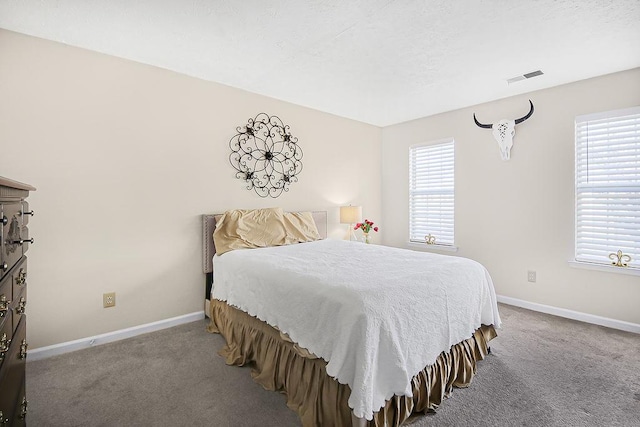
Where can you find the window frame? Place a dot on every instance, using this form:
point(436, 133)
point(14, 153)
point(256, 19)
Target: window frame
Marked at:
point(412, 241)
point(613, 191)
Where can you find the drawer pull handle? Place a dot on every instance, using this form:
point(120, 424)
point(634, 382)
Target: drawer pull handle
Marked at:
point(4, 266)
point(24, 407)
point(23, 350)
point(4, 345)
point(22, 241)
point(5, 220)
point(4, 305)
point(22, 304)
point(21, 280)
point(28, 213)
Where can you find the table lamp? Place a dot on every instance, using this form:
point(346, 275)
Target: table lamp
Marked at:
point(350, 215)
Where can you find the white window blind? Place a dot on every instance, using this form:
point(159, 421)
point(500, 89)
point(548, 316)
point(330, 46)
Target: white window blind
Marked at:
point(608, 186)
point(431, 179)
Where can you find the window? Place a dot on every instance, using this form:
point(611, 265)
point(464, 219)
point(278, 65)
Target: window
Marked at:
point(431, 192)
point(608, 187)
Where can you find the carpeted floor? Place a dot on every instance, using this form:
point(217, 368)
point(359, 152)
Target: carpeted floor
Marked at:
point(543, 371)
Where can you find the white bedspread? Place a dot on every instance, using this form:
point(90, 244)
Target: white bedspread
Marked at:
point(377, 315)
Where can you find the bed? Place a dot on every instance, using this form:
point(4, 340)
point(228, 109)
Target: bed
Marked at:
point(353, 334)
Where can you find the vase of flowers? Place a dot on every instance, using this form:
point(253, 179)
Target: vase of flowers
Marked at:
point(366, 228)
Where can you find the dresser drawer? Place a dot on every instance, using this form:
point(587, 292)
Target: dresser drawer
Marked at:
point(12, 375)
point(10, 243)
point(6, 338)
point(18, 308)
point(19, 278)
point(20, 411)
point(6, 298)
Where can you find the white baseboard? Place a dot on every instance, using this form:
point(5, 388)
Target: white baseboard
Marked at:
point(570, 314)
point(66, 347)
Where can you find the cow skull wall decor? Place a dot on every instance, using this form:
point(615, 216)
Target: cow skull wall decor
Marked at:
point(504, 130)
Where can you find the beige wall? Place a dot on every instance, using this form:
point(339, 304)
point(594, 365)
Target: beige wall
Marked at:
point(517, 215)
point(125, 157)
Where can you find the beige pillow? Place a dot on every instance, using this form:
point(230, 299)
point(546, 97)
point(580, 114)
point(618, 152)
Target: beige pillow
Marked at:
point(300, 227)
point(249, 229)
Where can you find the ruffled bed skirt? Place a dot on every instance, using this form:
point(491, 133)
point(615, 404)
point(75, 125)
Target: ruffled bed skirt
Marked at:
point(279, 364)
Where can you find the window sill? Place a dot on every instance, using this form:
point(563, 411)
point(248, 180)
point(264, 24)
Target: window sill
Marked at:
point(608, 268)
point(436, 247)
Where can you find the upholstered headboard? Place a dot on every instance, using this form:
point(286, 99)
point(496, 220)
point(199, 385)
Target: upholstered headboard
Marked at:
point(209, 224)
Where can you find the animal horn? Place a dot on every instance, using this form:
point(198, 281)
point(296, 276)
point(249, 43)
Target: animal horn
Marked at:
point(480, 124)
point(523, 118)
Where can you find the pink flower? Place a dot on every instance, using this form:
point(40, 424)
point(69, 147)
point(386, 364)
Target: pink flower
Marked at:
point(366, 226)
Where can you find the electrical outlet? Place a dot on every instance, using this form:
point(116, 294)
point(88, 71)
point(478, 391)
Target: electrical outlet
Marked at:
point(109, 300)
point(531, 276)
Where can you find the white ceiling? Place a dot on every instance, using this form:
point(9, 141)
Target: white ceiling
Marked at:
point(377, 61)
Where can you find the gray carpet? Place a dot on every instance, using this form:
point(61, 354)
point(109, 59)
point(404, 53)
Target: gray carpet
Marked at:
point(543, 371)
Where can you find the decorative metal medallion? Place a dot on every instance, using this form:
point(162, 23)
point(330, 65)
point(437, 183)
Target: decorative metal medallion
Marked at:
point(266, 155)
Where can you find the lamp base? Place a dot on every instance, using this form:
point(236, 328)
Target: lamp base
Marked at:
point(352, 234)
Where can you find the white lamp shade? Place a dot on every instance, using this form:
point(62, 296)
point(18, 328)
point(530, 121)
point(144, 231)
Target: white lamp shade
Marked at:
point(350, 214)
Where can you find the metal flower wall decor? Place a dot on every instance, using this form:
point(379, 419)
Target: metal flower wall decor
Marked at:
point(266, 155)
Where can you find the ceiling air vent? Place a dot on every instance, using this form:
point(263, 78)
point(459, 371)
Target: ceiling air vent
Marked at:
point(525, 76)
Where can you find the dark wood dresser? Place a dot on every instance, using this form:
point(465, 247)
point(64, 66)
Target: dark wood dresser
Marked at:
point(14, 243)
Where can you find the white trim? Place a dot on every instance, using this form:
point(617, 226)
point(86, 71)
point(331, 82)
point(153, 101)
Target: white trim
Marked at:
point(434, 142)
point(434, 247)
point(608, 114)
point(66, 347)
point(570, 314)
point(608, 268)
